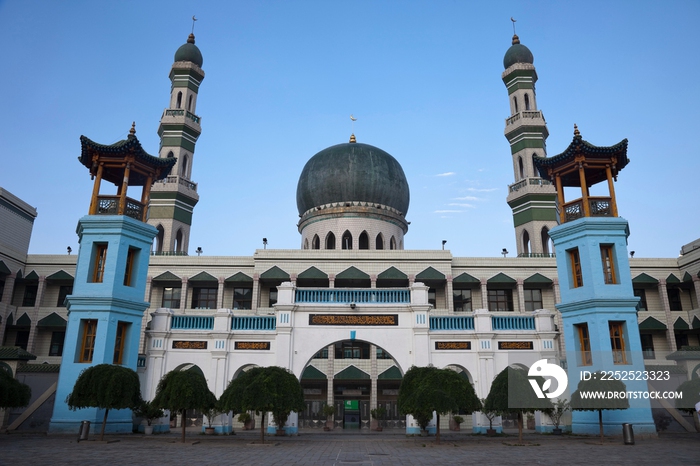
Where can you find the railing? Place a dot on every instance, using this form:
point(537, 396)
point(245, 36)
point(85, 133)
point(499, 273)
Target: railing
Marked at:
point(537, 254)
point(109, 205)
point(192, 323)
point(180, 180)
point(516, 186)
point(168, 253)
point(253, 323)
point(529, 181)
point(512, 323)
point(532, 114)
point(451, 323)
point(598, 206)
point(348, 296)
point(183, 112)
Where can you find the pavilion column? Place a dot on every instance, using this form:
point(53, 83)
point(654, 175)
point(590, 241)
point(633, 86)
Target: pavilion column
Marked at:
point(145, 197)
point(183, 294)
point(560, 198)
point(670, 333)
point(256, 292)
point(449, 294)
point(123, 189)
point(94, 202)
point(557, 315)
point(35, 314)
point(220, 294)
point(521, 294)
point(484, 295)
point(144, 319)
point(611, 188)
point(584, 190)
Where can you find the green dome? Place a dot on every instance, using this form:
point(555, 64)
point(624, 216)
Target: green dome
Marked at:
point(189, 52)
point(517, 53)
point(352, 172)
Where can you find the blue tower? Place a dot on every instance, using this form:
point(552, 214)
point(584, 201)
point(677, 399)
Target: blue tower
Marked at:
point(598, 306)
point(106, 307)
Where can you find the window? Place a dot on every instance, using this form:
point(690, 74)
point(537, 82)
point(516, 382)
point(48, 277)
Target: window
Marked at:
point(56, 347)
point(330, 241)
point(351, 350)
point(681, 340)
point(273, 296)
point(606, 256)
point(171, 297)
point(2, 288)
point(527, 102)
point(87, 348)
point(392, 243)
point(674, 299)
point(98, 266)
point(306, 243)
point(204, 298)
point(379, 242)
point(576, 275)
point(500, 300)
point(521, 168)
point(647, 345)
point(119, 342)
point(129, 271)
point(316, 243)
point(462, 300)
point(431, 297)
point(642, 295)
point(242, 298)
point(515, 104)
point(347, 240)
point(363, 240)
point(544, 236)
point(617, 342)
point(29, 298)
point(526, 243)
point(22, 339)
point(189, 103)
point(382, 354)
point(179, 100)
point(533, 300)
point(63, 292)
point(323, 354)
point(584, 344)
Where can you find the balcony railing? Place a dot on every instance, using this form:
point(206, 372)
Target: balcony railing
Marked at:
point(109, 205)
point(168, 253)
point(253, 323)
point(192, 323)
point(183, 112)
point(537, 254)
point(349, 296)
point(451, 323)
point(531, 114)
point(512, 323)
point(529, 181)
point(180, 180)
point(598, 207)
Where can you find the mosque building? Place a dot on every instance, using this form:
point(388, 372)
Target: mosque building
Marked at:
point(352, 309)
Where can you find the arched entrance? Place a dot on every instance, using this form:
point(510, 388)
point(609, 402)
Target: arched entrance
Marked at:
point(354, 377)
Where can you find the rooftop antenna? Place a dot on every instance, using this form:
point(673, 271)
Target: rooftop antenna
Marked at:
point(195, 19)
point(511, 18)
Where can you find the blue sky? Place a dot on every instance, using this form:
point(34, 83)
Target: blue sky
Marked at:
point(423, 79)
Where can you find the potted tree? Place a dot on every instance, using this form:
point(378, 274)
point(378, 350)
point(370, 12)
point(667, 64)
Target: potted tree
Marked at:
point(210, 413)
point(490, 415)
point(455, 422)
point(328, 412)
point(148, 412)
point(598, 383)
point(247, 420)
point(378, 415)
point(557, 412)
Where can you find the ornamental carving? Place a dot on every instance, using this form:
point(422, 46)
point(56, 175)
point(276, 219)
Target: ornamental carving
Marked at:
point(351, 319)
point(515, 345)
point(453, 345)
point(252, 345)
point(189, 344)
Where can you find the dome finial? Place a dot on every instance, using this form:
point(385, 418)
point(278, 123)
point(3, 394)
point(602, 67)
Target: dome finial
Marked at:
point(577, 133)
point(516, 39)
point(352, 138)
point(132, 131)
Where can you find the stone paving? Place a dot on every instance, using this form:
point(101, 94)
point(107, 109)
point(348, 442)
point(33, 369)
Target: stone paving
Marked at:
point(334, 448)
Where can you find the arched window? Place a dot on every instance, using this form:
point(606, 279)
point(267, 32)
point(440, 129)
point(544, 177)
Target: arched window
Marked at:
point(178, 241)
point(363, 240)
point(392, 243)
point(515, 104)
point(306, 243)
point(526, 242)
point(545, 240)
point(171, 155)
point(330, 241)
point(521, 168)
point(379, 243)
point(347, 240)
point(159, 238)
point(527, 102)
point(316, 242)
point(183, 171)
point(179, 100)
point(189, 103)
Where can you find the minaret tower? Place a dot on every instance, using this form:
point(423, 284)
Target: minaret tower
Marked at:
point(598, 306)
point(106, 307)
point(173, 199)
point(531, 198)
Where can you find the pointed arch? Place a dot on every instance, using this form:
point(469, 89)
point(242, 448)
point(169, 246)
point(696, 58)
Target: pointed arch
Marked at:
point(330, 240)
point(315, 242)
point(183, 171)
point(544, 234)
point(159, 238)
point(347, 240)
point(527, 102)
point(306, 243)
point(515, 104)
point(178, 104)
point(363, 241)
point(379, 242)
point(171, 155)
point(189, 103)
point(392, 243)
point(526, 242)
point(521, 168)
point(178, 241)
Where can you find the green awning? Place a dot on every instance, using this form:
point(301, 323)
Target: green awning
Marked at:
point(240, 278)
point(167, 277)
point(52, 320)
point(501, 279)
point(60, 276)
point(24, 321)
point(351, 373)
point(537, 279)
point(644, 279)
point(311, 373)
point(696, 322)
point(203, 277)
point(465, 280)
point(392, 373)
point(4, 270)
point(392, 273)
point(32, 276)
point(430, 274)
point(681, 324)
point(672, 280)
point(275, 274)
point(652, 324)
point(687, 277)
point(312, 273)
point(352, 273)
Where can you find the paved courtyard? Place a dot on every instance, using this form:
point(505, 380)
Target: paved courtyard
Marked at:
point(333, 448)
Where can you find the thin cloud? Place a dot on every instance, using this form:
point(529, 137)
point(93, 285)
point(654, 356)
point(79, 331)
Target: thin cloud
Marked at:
point(481, 190)
point(448, 211)
point(467, 198)
point(446, 174)
point(457, 204)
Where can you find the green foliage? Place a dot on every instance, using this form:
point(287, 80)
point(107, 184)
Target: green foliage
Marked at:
point(427, 389)
point(490, 415)
point(691, 395)
point(458, 419)
point(182, 390)
point(521, 398)
point(328, 410)
point(557, 411)
point(148, 411)
point(378, 413)
point(595, 384)
point(244, 417)
point(13, 393)
point(106, 386)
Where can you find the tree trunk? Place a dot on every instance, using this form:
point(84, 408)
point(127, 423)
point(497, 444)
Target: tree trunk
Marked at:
point(104, 423)
point(600, 422)
point(437, 432)
point(184, 412)
point(262, 428)
point(520, 427)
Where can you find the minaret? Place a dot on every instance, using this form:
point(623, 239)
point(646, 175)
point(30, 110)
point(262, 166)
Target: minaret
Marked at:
point(106, 307)
point(531, 198)
point(598, 306)
point(173, 199)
